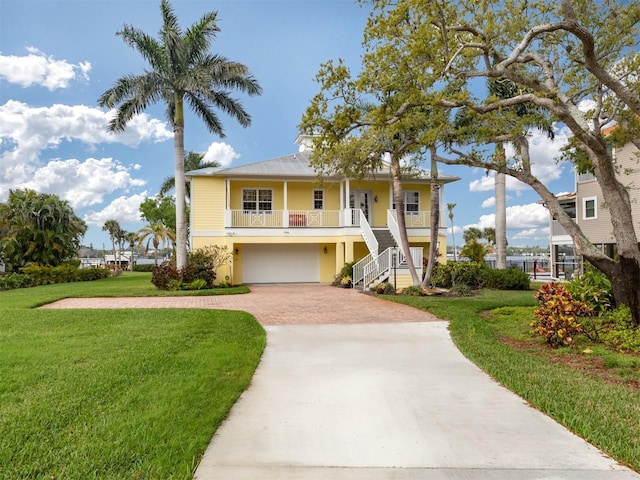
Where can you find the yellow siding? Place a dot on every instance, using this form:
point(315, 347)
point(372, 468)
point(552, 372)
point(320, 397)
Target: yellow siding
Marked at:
point(327, 262)
point(208, 203)
point(238, 185)
point(224, 273)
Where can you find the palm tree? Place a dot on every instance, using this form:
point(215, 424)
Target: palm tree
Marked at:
point(474, 250)
point(113, 227)
point(504, 88)
point(38, 228)
point(132, 238)
point(180, 69)
point(157, 234)
point(450, 207)
point(192, 161)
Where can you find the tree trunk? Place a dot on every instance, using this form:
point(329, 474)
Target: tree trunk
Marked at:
point(623, 274)
point(501, 221)
point(402, 224)
point(113, 250)
point(453, 239)
point(435, 219)
point(181, 227)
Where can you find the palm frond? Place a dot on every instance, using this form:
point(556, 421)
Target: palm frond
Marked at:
point(206, 113)
point(148, 47)
point(198, 37)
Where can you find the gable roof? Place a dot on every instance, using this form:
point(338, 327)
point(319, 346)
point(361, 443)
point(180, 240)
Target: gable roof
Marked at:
point(293, 165)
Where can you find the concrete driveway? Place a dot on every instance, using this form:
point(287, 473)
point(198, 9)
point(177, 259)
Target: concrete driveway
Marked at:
point(352, 387)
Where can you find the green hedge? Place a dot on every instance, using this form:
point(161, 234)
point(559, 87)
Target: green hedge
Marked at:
point(505, 279)
point(145, 267)
point(45, 274)
point(15, 280)
point(477, 275)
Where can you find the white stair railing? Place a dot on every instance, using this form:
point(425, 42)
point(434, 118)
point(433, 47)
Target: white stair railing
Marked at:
point(367, 233)
point(358, 269)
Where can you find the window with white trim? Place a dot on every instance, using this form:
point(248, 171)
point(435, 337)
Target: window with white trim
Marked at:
point(589, 208)
point(411, 202)
point(257, 200)
point(318, 199)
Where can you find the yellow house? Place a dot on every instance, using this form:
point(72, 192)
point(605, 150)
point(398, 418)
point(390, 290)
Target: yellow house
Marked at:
point(284, 225)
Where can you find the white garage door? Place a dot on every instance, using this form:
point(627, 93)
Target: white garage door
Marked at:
point(280, 264)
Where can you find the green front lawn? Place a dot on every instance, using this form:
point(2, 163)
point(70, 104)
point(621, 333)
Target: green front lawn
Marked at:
point(588, 388)
point(115, 394)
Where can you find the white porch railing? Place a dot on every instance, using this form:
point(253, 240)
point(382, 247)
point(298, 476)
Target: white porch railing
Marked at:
point(349, 217)
point(283, 219)
point(421, 219)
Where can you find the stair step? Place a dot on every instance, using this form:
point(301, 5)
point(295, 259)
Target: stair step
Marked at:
point(384, 238)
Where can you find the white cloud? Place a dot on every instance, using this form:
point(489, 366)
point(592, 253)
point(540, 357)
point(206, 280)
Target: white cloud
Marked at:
point(83, 183)
point(26, 131)
point(533, 234)
point(39, 69)
point(543, 153)
point(528, 216)
point(123, 209)
point(221, 153)
point(489, 202)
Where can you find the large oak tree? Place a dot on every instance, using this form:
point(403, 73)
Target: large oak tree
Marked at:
point(559, 55)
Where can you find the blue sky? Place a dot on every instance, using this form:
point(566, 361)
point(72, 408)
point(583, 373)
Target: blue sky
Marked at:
point(57, 57)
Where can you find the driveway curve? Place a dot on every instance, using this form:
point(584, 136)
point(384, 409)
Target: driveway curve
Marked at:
point(352, 387)
point(295, 304)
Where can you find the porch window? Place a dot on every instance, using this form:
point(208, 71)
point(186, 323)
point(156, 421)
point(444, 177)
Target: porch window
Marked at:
point(589, 208)
point(411, 202)
point(318, 199)
point(257, 200)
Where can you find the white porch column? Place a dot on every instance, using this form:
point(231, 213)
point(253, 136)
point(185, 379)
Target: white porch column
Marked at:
point(285, 213)
point(348, 221)
point(227, 203)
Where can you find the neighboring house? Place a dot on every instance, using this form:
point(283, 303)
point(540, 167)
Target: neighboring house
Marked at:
point(590, 212)
point(123, 259)
point(283, 224)
point(564, 260)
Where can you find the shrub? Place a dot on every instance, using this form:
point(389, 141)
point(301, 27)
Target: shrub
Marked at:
point(452, 273)
point(46, 274)
point(201, 267)
point(345, 282)
point(413, 291)
point(145, 267)
point(558, 314)
point(505, 279)
point(197, 284)
point(345, 271)
point(619, 331)
point(15, 280)
point(594, 289)
point(163, 274)
point(381, 287)
point(461, 289)
point(89, 274)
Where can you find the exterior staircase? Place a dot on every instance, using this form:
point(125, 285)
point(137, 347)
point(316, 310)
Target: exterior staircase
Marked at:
point(375, 267)
point(385, 239)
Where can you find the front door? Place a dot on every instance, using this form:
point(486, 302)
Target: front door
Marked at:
point(361, 199)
